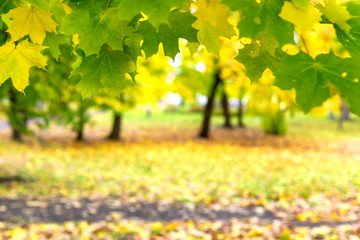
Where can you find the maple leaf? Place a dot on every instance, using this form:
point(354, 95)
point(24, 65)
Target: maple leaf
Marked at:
point(312, 79)
point(259, 16)
point(179, 26)
point(303, 19)
point(212, 23)
point(97, 29)
point(301, 3)
point(30, 21)
point(157, 15)
point(336, 13)
point(256, 59)
point(351, 38)
point(105, 71)
point(15, 62)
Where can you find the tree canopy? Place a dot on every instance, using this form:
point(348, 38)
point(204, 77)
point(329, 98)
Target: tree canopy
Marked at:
point(108, 37)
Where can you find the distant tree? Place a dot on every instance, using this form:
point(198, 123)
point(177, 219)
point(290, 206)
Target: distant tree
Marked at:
point(205, 127)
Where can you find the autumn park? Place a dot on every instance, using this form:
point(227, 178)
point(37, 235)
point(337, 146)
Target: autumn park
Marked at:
point(179, 119)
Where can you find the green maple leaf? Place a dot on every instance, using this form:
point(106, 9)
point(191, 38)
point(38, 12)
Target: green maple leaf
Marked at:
point(105, 72)
point(151, 38)
point(178, 26)
point(53, 41)
point(301, 3)
point(258, 17)
point(337, 14)
point(256, 59)
point(7, 5)
point(344, 74)
point(312, 79)
point(350, 39)
point(58, 8)
point(132, 46)
point(157, 10)
point(180, 23)
point(96, 29)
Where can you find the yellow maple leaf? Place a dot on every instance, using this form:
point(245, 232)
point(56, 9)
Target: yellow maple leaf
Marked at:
point(215, 13)
point(212, 23)
point(15, 62)
point(30, 21)
point(303, 19)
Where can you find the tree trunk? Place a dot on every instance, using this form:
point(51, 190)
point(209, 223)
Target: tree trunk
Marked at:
point(17, 116)
point(204, 133)
point(344, 114)
point(241, 114)
point(226, 110)
point(80, 135)
point(16, 135)
point(116, 129)
point(81, 123)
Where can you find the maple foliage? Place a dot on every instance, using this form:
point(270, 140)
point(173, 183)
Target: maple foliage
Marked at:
point(30, 21)
point(17, 60)
point(133, 29)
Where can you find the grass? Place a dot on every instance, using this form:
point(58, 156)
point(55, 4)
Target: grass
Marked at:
point(314, 158)
point(312, 126)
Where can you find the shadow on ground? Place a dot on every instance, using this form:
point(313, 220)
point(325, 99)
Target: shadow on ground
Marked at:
point(94, 210)
point(59, 210)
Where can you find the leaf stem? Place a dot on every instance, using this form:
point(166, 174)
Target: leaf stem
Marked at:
point(303, 41)
point(107, 5)
point(33, 4)
point(4, 5)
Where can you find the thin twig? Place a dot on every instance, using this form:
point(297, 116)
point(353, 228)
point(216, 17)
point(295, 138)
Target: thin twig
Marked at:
point(303, 41)
point(3, 5)
point(107, 5)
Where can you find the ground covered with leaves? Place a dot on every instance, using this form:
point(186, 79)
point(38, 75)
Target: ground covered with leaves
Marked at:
point(164, 183)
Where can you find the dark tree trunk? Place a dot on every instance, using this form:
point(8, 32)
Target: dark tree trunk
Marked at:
point(16, 135)
point(226, 111)
point(81, 123)
point(116, 129)
point(80, 135)
point(204, 133)
point(241, 114)
point(17, 116)
point(344, 114)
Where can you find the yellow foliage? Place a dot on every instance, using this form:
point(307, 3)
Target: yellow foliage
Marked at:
point(16, 60)
point(30, 21)
point(290, 49)
point(267, 77)
point(331, 105)
point(303, 19)
point(212, 23)
point(152, 80)
point(321, 40)
point(215, 13)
